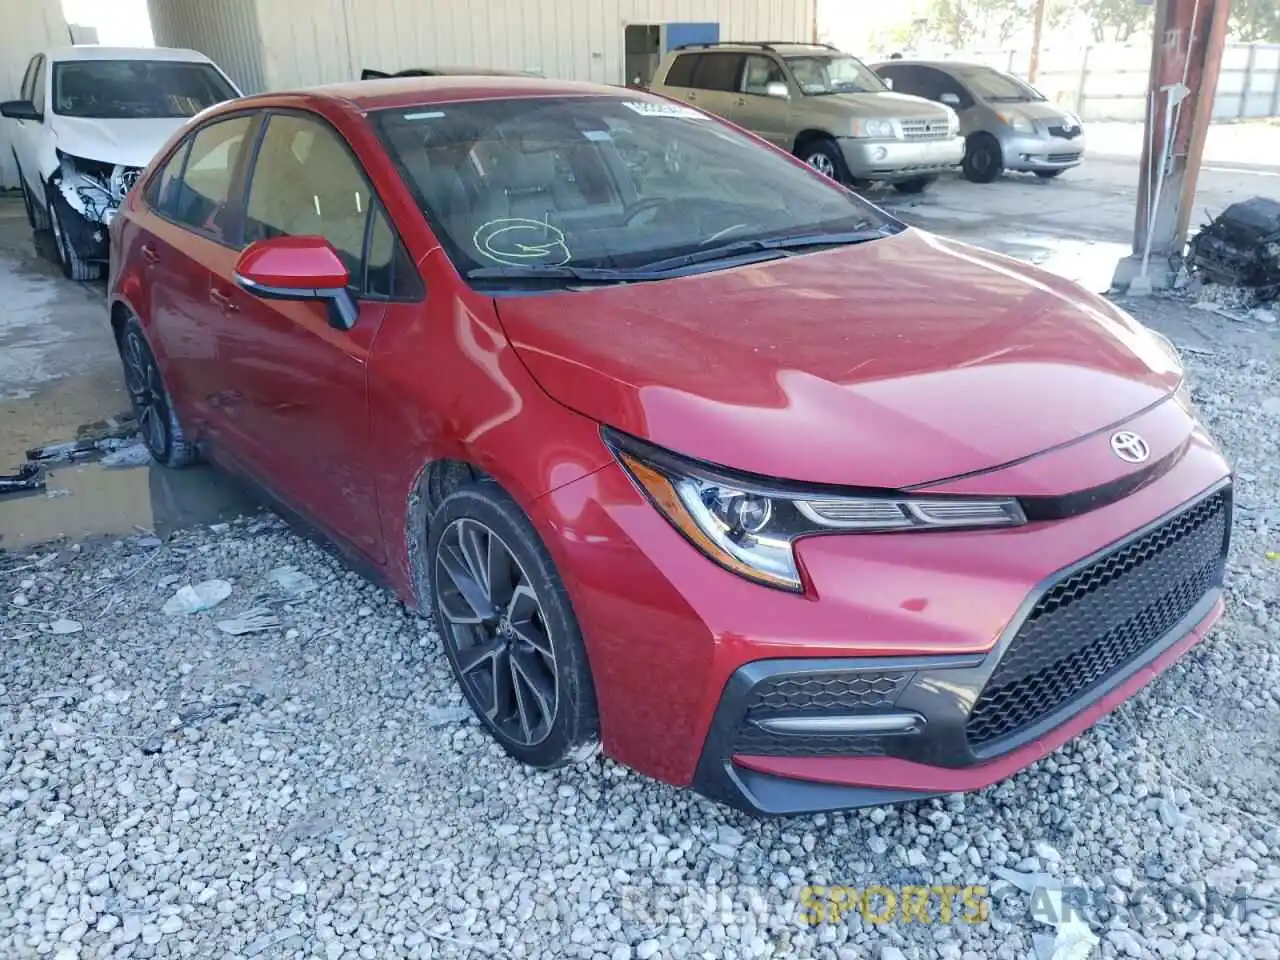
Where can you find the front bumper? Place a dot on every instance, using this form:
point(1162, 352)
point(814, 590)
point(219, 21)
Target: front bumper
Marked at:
point(797, 736)
point(678, 646)
point(1041, 152)
point(894, 160)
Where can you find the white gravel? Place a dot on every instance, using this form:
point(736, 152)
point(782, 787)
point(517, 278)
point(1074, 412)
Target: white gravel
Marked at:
point(312, 789)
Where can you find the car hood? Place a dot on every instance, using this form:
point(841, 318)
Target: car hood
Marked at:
point(889, 364)
point(874, 106)
point(1034, 110)
point(129, 142)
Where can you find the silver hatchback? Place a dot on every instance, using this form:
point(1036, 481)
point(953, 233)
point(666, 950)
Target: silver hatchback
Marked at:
point(1007, 124)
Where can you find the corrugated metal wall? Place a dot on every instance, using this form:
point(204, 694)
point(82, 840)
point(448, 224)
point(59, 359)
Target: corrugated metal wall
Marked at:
point(28, 28)
point(224, 30)
point(291, 43)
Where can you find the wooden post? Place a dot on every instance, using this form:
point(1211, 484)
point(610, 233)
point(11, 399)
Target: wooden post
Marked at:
point(1037, 31)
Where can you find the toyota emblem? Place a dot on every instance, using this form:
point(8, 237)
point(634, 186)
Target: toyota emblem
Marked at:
point(1129, 447)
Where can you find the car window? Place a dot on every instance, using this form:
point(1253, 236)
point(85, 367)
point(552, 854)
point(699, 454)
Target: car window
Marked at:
point(162, 193)
point(905, 79)
point(136, 89)
point(759, 73)
point(37, 85)
point(838, 73)
point(201, 197)
point(997, 87)
point(307, 182)
point(388, 272)
point(602, 181)
point(681, 72)
point(717, 71)
point(934, 83)
point(29, 79)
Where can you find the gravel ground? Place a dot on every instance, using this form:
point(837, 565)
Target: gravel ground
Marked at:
point(316, 789)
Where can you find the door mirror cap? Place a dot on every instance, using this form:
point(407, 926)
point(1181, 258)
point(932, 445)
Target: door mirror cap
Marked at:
point(20, 110)
point(950, 99)
point(777, 89)
point(299, 268)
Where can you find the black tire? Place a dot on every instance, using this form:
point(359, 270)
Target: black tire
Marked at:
point(1049, 174)
point(74, 266)
point(823, 154)
point(491, 649)
point(983, 159)
point(157, 420)
point(916, 185)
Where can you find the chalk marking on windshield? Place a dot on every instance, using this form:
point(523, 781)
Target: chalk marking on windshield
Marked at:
point(428, 115)
point(500, 241)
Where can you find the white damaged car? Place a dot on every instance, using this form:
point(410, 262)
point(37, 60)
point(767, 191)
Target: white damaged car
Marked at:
point(89, 120)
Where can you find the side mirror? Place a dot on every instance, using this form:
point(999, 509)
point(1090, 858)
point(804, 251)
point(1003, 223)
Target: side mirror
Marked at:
point(950, 99)
point(777, 89)
point(299, 268)
point(20, 110)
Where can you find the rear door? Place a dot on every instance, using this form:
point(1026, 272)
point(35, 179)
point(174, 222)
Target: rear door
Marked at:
point(190, 237)
point(303, 384)
point(770, 117)
point(715, 82)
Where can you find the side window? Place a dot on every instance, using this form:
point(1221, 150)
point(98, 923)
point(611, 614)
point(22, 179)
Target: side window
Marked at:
point(29, 79)
point(200, 200)
point(306, 182)
point(681, 72)
point(387, 269)
point(759, 73)
point(718, 71)
point(162, 193)
point(37, 85)
point(934, 83)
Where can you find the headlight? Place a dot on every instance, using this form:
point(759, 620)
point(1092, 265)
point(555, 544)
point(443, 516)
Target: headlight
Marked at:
point(875, 129)
point(750, 525)
point(1018, 122)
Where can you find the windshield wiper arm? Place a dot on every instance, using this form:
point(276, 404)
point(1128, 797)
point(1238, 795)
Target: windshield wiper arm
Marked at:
point(562, 273)
point(778, 246)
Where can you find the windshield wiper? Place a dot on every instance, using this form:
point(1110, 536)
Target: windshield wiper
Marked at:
point(561, 274)
point(772, 247)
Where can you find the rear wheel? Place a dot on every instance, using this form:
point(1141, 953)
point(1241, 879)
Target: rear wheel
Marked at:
point(916, 185)
point(508, 629)
point(983, 160)
point(74, 266)
point(823, 154)
point(152, 405)
point(1049, 174)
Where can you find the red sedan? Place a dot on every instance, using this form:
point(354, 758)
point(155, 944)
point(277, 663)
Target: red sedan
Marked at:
point(688, 449)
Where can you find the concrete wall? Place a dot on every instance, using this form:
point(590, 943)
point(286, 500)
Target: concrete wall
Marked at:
point(28, 28)
point(279, 44)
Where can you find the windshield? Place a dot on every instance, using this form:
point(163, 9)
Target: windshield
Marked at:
point(136, 89)
point(839, 74)
point(997, 87)
point(556, 184)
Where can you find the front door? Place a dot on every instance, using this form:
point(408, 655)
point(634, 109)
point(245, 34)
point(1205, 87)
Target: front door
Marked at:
point(764, 115)
point(305, 382)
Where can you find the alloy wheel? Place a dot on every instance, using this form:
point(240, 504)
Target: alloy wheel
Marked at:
point(822, 163)
point(146, 391)
point(497, 632)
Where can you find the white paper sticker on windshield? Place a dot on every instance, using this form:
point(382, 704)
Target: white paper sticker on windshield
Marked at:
point(662, 110)
point(597, 135)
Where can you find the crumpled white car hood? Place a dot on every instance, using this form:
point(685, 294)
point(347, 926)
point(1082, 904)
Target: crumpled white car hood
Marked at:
point(131, 143)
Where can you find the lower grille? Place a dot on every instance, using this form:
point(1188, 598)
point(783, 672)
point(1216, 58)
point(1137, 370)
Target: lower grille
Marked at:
point(1101, 618)
point(1062, 157)
point(925, 129)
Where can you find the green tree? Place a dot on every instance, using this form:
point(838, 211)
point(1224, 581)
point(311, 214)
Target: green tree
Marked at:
point(1255, 21)
point(968, 23)
point(1119, 20)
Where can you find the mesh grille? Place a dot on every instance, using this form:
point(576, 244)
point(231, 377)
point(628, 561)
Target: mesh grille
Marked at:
point(835, 691)
point(762, 743)
point(1099, 619)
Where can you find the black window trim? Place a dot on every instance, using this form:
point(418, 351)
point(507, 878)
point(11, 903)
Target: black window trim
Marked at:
point(419, 284)
point(39, 61)
point(27, 90)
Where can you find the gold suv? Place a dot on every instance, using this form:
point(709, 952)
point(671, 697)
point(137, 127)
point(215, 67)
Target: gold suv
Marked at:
point(820, 104)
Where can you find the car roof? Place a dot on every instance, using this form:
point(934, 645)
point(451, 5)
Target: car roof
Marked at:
point(395, 92)
point(785, 49)
point(91, 51)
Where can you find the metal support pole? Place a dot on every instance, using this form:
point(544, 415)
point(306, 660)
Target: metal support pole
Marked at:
point(1247, 87)
point(1187, 51)
point(1037, 32)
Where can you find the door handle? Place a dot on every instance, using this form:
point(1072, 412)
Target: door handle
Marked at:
point(221, 299)
point(149, 253)
point(691, 97)
point(741, 101)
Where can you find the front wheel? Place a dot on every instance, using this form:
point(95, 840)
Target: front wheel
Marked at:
point(915, 185)
point(824, 156)
point(74, 266)
point(983, 159)
point(508, 629)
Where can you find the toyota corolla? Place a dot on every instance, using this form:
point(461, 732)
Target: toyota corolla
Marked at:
point(690, 451)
